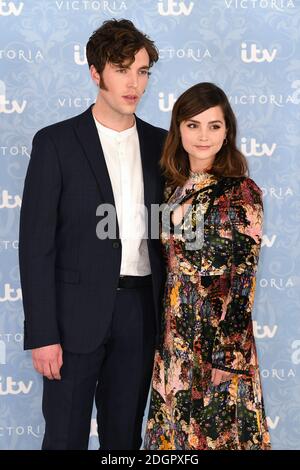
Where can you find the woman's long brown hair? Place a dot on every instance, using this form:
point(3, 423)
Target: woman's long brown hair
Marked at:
point(229, 161)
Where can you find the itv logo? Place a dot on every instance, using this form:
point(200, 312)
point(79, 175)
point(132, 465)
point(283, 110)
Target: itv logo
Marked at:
point(268, 241)
point(6, 198)
point(2, 352)
point(174, 8)
point(273, 423)
point(251, 148)
point(8, 291)
point(264, 331)
point(255, 54)
point(164, 105)
point(10, 387)
point(9, 8)
point(79, 55)
point(296, 354)
point(296, 95)
point(7, 106)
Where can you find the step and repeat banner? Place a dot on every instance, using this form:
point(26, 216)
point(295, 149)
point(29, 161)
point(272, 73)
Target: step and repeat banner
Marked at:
point(251, 49)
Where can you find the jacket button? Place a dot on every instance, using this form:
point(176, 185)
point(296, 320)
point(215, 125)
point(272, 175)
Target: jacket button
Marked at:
point(116, 244)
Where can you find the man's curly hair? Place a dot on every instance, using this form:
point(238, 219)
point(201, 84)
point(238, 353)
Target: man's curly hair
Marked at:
point(117, 42)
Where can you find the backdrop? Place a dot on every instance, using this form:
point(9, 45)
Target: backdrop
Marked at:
point(248, 47)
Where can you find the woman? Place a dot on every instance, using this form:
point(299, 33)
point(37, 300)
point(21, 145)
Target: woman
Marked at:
point(206, 391)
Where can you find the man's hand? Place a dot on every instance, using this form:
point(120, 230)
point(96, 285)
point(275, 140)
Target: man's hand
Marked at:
point(48, 361)
point(218, 376)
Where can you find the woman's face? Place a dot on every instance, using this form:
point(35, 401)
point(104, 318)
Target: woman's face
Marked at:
point(202, 137)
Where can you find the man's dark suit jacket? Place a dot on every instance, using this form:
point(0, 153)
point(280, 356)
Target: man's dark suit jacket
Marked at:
point(69, 276)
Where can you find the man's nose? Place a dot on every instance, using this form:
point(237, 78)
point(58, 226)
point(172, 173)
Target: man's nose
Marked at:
point(132, 80)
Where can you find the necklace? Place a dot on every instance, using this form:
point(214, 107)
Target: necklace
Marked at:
point(197, 176)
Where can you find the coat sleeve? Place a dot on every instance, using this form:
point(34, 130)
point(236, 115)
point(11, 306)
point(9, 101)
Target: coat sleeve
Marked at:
point(38, 221)
point(234, 335)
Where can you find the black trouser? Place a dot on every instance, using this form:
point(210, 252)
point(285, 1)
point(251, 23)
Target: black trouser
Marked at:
point(117, 374)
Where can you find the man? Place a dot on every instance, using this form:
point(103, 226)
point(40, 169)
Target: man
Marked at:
point(91, 302)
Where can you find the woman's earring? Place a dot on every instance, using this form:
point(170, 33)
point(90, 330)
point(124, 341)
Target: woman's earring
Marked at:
point(225, 141)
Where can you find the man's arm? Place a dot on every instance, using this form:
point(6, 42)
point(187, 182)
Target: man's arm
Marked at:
point(37, 244)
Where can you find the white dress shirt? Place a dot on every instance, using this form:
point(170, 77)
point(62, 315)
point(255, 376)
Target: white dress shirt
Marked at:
point(123, 160)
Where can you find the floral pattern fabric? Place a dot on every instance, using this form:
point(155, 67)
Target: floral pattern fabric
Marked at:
point(207, 323)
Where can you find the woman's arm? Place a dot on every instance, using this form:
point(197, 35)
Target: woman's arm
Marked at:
point(234, 335)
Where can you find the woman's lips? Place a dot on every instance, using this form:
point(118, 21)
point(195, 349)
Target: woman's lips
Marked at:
point(202, 147)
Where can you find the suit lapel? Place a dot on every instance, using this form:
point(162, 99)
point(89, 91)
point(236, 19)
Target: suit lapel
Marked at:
point(148, 167)
point(89, 139)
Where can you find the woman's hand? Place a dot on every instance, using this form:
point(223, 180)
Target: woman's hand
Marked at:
point(218, 376)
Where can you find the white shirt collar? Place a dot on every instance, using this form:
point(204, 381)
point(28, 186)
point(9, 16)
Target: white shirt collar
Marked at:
point(115, 134)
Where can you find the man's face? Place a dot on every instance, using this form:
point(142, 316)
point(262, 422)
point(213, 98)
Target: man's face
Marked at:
point(125, 84)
